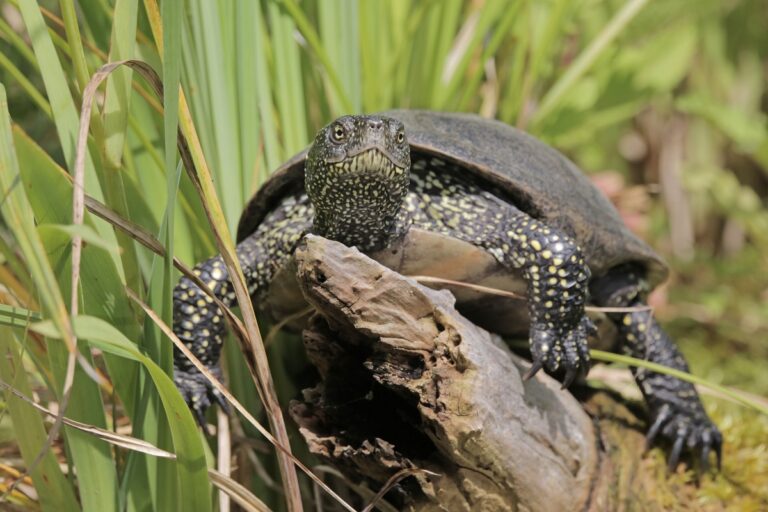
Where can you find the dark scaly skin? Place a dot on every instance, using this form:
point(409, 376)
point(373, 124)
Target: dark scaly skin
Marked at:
point(200, 324)
point(677, 413)
point(360, 192)
point(437, 200)
point(551, 262)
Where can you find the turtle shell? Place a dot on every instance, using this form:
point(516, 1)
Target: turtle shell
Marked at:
point(537, 178)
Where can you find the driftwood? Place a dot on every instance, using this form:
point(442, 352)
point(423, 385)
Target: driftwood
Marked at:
point(407, 382)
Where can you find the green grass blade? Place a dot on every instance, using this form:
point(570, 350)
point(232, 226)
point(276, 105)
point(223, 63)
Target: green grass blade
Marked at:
point(93, 459)
point(339, 24)
point(610, 357)
point(165, 478)
point(116, 111)
point(194, 491)
point(13, 316)
point(57, 89)
point(288, 82)
point(17, 41)
point(96, 16)
point(512, 102)
point(222, 148)
point(309, 33)
point(118, 89)
point(25, 84)
point(273, 147)
point(72, 30)
point(445, 24)
point(246, 99)
point(54, 491)
point(588, 57)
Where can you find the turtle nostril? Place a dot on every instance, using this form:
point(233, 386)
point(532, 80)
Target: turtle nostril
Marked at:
point(376, 124)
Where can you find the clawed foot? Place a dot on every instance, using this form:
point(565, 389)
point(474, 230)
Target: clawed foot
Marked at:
point(555, 349)
point(690, 429)
point(198, 392)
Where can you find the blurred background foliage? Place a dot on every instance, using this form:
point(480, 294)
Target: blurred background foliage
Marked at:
point(663, 102)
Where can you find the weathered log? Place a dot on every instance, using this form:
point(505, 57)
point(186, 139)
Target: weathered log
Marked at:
point(408, 382)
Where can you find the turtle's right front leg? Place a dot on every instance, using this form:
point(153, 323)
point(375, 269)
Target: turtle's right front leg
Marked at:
point(550, 261)
point(553, 265)
point(200, 323)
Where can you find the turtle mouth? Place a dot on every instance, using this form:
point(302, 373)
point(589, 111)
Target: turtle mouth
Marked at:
point(370, 160)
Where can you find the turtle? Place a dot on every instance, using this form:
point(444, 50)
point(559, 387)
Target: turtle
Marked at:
point(468, 199)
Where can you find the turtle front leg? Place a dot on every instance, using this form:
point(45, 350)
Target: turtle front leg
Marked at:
point(553, 266)
point(550, 261)
point(200, 325)
point(199, 322)
point(677, 413)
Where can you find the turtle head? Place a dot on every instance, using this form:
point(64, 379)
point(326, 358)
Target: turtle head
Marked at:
point(356, 176)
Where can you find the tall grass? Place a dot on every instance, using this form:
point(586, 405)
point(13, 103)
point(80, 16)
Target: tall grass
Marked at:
point(252, 81)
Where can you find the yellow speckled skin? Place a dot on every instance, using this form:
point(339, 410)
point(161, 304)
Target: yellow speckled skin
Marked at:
point(369, 181)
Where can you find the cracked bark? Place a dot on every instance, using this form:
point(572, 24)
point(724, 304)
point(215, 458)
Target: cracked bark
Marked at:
point(407, 382)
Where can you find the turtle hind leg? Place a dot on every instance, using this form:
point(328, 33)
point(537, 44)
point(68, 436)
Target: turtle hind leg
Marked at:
point(677, 413)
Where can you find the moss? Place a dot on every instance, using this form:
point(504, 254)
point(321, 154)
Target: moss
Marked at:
point(740, 485)
point(718, 317)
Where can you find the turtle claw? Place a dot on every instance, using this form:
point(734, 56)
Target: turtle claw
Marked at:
point(570, 376)
point(534, 369)
point(198, 392)
point(706, 447)
point(222, 402)
point(719, 450)
point(591, 328)
point(200, 418)
point(661, 418)
point(677, 448)
point(686, 428)
point(560, 349)
point(711, 440)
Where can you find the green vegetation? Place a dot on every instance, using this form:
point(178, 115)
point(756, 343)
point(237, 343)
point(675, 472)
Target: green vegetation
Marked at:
point(665, 101)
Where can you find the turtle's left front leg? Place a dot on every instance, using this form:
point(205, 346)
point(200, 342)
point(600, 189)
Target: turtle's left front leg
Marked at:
point(677, 413)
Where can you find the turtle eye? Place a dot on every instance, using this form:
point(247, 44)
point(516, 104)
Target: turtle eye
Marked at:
point(338, 133)
point(400, 137)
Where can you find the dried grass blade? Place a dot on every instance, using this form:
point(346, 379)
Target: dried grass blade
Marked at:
point(128, 442)
point(392, 481)
point(18, 214)
point(517, 296)
point(237, 492)
point(55, 492)
point(736, 395)
point(149, 241)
